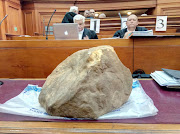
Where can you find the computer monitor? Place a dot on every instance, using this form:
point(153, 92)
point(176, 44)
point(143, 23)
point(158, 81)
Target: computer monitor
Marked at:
point(66, 31)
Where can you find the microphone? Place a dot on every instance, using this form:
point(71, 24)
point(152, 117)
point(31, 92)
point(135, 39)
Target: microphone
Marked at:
point(48, 24)
point(119, 15)
point(120, 18)
point(3, 19)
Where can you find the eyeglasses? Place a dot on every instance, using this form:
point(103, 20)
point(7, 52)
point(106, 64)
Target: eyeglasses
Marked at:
point(141, 76)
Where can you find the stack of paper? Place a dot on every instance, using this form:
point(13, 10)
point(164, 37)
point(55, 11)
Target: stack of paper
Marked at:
point(163, 79)
point(143, 33)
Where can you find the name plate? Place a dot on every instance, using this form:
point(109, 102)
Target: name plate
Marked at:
point(161, 23)
point(95, 25)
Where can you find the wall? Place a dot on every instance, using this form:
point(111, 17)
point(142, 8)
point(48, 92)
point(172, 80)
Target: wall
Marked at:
point(13, 23)
point(37, 15)
point(167, 7)
point(3, 24)
point(115, 4)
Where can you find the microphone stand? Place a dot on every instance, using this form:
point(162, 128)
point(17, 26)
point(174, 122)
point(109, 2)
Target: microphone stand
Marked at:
point(48, 24)
point(3, 19)
point(120, 18)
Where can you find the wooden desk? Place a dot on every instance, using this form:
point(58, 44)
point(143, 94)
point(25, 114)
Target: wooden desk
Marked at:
point(37, 59)
point(100, 36)
point(90, 128)
point(154, 53)
point(31, 38)
point(165, 122)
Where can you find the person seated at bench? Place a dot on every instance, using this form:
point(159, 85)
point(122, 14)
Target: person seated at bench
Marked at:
point(102, 15)
point(86, 13)
point(84, 33)
point(92, 13)
point(132, 25)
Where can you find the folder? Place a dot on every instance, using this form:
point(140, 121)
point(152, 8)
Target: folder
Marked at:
point(172, 73)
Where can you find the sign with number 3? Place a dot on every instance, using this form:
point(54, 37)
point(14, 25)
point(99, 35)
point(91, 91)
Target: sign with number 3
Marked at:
point(161, 23)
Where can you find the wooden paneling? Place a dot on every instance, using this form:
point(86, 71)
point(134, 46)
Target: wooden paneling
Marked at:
point(29, 25)
point(109, 26)
point(4, 23)
point(32, 38)
point(151, 54)
point(41, 13)
point(43, 10)
point(87, 127)
point(115, 5)
point(0, 34)
point(14, 25)
point(37, 59)
point(13, 22)
point(167, 7)
point(37, 12)
point(17, 2)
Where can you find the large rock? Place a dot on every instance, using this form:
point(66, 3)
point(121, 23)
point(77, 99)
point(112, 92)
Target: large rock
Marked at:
point(88, 84)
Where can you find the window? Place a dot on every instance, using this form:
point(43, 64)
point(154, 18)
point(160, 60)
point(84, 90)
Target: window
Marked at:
point(50, 30)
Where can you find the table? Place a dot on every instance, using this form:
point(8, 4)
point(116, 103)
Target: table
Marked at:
point(166, 121)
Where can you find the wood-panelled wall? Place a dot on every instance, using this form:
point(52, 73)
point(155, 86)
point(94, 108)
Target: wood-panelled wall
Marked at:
point(115, 4)
point(13, 24)
point(110, 25)
point(2, 32)
point(167, 7)
point(37, 15)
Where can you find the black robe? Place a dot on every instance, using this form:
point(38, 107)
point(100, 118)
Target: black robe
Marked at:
point(120, 33)
point(68, 18)
point(91, 34)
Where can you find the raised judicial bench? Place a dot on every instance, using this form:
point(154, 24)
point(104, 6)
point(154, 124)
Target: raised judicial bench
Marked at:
point(114, 23)
point(166, 121)
point(37, 59)
point(155, 52)
point(101, 35)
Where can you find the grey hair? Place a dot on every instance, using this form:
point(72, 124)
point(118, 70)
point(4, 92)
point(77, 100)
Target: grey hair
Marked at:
point(73, 9)
point(102, 15)
point(133, 15)
point(79, 17)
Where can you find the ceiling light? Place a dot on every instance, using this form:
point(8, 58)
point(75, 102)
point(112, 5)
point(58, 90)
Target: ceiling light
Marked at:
point(96, 14)
point(129, 13)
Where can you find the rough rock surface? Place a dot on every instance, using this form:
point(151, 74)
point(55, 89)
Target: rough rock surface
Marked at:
point(88, 84)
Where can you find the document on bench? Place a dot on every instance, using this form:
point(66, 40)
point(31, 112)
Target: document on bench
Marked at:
point(143, 33)
point(163, 79)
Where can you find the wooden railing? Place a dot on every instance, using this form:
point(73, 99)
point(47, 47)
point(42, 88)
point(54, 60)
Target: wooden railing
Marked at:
point(109, 26)
point(173, 22)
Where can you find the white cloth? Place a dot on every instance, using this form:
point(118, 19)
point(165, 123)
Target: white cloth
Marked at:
point(81, 34)
point(26, 103)
point(131, 31)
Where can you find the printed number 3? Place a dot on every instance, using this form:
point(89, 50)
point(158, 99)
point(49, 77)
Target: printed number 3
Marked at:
point(161, 22)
